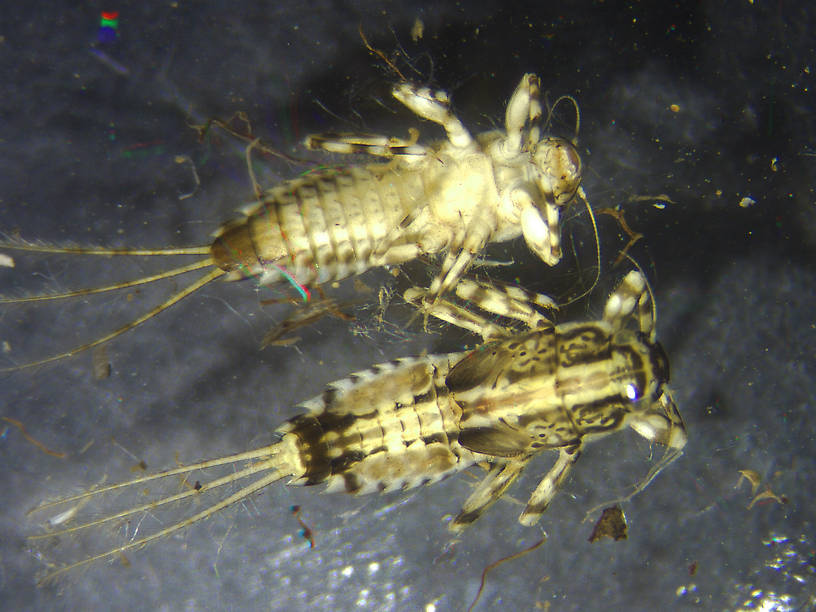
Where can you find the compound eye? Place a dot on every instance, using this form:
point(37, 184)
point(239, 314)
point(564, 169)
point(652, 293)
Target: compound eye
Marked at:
point(560, 162)
point(632, 392)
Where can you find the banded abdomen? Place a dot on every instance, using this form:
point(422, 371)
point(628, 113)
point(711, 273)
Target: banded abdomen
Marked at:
point(393, 426)
point(322, 227)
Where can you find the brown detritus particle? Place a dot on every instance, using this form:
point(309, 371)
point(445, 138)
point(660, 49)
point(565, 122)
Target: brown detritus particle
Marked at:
point(33, 441)
point(611, 524)
point(752, 477)
point(768, 494)
point(305, 531)
point(496, 564)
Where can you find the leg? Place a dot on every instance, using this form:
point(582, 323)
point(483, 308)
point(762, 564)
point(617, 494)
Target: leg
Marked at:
point(381, 146)
point(523, 107)
point(460, 254)
point(493, 298)
point(500, 476)
point(546, 489)
point(456, 315)
point(434, 107)
point(631, 298)
point(419, 215)
point(455, 264)
point(541, 229)
point(663, 424)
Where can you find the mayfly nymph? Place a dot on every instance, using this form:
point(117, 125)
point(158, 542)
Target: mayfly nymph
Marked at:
point(450, 197)
point(414, 421)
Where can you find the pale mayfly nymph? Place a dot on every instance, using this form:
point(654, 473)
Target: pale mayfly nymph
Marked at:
point(450, 197)
point(414, 421)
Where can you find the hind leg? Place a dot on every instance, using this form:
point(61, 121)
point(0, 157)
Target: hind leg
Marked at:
point(549, 485)
point(492, 487)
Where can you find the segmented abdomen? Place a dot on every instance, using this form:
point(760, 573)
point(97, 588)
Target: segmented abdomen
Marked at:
point(390, 427)
point(324, 226)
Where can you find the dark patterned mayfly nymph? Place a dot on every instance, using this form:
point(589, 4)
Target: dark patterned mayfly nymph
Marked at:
point(414, 421)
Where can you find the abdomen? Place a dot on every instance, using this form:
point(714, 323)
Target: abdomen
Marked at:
point(322, 227)
point(391, 427)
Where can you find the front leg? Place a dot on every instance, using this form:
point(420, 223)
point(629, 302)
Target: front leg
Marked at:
point(662, 424)
point(540, 228)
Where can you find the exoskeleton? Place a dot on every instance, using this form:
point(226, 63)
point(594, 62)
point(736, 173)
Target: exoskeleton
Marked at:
point(414, 421)
point(451, 197)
